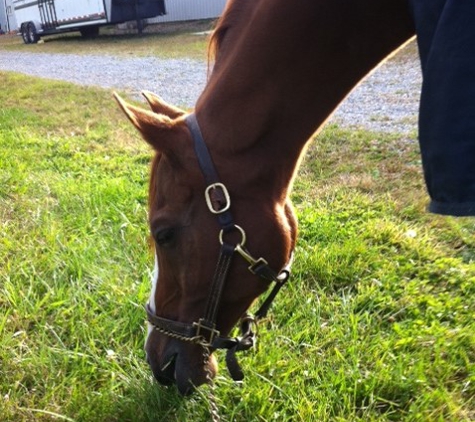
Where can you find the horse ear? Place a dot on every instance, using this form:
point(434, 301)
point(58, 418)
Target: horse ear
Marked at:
point(156, 129)
point(158, 105)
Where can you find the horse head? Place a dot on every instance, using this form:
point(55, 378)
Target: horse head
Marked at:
point(200, 292)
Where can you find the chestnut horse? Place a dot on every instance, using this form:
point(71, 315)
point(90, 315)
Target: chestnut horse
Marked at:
point(281, 68)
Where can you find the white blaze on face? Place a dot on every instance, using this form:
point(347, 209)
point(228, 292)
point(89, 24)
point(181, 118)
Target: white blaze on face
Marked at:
point(151, 300)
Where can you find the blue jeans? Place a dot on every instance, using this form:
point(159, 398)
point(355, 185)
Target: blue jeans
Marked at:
point(446, 39)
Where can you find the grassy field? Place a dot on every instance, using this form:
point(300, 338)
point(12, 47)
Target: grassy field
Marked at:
point(377, 323)
point(167, 40)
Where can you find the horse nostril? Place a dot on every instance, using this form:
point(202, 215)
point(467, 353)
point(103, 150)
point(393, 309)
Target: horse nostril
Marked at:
point(168, 362)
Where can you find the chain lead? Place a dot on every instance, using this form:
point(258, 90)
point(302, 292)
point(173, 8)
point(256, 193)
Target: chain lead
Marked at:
point(213, 406)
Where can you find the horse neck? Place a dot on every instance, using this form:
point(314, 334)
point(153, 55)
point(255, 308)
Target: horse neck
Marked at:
point(283, 69)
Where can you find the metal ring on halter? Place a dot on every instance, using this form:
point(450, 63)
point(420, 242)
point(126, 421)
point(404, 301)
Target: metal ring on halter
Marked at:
point(239, 229)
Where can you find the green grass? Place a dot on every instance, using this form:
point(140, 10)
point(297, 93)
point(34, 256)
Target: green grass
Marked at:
point(166, 40)
point(377, 322)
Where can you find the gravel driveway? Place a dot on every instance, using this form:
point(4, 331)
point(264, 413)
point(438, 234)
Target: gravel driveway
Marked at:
point(386, 101)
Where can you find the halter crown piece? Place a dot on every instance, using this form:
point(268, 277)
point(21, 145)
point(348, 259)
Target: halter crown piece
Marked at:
point(204, 330)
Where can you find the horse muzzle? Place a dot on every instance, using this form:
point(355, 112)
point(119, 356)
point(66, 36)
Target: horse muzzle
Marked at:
point(186, 365)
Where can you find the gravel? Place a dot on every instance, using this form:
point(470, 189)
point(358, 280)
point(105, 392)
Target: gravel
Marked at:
point(178, 81)
point(385, 101)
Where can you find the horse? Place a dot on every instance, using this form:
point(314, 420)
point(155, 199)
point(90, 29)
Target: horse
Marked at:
point(220, 216)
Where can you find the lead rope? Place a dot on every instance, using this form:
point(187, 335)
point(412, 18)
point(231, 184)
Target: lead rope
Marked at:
point(213, 406)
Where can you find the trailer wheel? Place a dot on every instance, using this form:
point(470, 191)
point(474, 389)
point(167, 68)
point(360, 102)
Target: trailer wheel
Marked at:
point(89, 32)
point(33, 36)
point(24, 33)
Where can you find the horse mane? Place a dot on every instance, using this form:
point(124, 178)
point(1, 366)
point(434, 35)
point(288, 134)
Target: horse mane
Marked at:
point(231, 16)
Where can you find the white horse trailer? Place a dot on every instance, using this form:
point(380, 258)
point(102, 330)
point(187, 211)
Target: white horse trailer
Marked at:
point(36, 18)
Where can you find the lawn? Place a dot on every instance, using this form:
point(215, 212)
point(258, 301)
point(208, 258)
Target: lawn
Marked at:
point(377, 322)
point(166, 40)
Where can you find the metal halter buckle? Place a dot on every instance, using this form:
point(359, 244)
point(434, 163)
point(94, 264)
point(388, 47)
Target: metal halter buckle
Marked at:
point(201, 327)
point(224, 194)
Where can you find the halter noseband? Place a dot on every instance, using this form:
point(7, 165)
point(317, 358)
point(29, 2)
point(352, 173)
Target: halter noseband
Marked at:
point(204, 331)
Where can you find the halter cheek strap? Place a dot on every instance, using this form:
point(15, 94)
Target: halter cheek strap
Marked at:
point(204, 330)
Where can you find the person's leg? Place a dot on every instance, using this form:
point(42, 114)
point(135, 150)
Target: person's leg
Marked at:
point(446, 40)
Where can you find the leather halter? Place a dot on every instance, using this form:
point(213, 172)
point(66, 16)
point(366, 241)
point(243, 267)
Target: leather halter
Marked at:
point(204, 331)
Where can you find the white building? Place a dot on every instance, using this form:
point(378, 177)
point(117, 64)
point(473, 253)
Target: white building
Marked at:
point(7, 16)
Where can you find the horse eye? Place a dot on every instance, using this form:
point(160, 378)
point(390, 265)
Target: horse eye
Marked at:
point(164, 236)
